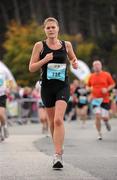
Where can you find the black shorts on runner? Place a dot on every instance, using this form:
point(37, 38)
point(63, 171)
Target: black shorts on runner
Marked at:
point(79, 105)
point(3, 101)
point(105, 106)
point(51, 95)
point(41, 105)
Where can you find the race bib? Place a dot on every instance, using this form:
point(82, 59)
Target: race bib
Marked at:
point(97, 101)
point(82, 99)
point(56, 71)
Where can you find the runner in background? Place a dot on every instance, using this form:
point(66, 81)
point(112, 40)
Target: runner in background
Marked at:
point(42, 114)
point(100, 83)
point(71, 106)
point(3, 119)
point(82, 103)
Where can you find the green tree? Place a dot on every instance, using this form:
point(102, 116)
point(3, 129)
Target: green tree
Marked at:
point(87, 51)
point(19, 43)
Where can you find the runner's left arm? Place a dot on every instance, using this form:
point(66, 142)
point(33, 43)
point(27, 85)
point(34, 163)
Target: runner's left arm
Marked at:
point(71, 55)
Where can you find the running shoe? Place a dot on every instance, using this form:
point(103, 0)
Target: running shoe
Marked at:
point(57, 161)
point(108, 126)
point(99, 136)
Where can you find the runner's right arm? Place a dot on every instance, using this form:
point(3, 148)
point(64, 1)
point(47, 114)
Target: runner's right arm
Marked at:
point(35, 63)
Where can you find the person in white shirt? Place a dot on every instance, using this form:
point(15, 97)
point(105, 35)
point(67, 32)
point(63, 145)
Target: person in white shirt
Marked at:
point(3, 120)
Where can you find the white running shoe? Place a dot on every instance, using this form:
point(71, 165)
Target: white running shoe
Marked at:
point(57, 161)
point(99, 136)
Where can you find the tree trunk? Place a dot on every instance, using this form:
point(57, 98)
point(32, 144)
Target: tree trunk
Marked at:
point(61, 16)
point(32, 9)
point(17, 14)
point(112, 13)
point(4, 13)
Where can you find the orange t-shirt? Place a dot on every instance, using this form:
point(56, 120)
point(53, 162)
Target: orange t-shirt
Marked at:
point(99, 81)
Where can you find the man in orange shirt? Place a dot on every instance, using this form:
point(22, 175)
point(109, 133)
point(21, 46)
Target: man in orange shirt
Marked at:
point(100, 83)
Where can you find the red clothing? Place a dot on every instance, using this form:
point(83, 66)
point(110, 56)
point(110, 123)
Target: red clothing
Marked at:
point(98, 82)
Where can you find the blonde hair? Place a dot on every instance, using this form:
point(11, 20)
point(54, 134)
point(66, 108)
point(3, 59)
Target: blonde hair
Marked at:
point(50, 19)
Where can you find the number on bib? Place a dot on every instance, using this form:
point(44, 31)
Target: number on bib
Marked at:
point(56, 71)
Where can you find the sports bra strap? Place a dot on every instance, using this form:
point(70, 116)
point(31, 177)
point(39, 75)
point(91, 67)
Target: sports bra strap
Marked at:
point(44, 45)
point(64, 46)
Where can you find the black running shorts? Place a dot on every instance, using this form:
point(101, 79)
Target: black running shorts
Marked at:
point(51, 94)
point(3, 101)
point(105, 106)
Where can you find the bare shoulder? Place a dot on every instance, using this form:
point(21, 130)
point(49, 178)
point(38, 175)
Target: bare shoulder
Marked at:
point(68, 44)
point(38, 44)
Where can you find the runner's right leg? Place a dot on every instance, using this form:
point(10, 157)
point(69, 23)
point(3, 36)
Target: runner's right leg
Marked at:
point(97, 112)
point(51, 113)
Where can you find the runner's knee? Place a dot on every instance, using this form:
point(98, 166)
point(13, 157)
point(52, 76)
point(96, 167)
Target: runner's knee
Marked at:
point(98, 117)
point(58, 121)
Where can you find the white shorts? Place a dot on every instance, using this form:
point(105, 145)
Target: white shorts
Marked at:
point(103, 112)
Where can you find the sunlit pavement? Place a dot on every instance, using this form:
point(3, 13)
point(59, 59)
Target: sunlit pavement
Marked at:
point(27, 154)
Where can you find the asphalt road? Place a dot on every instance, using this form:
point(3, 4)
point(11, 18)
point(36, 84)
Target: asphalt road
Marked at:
point(27, 154)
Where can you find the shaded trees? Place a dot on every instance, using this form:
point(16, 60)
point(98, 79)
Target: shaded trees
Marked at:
point(90, 17)
point(19, 46)
point(95, 21)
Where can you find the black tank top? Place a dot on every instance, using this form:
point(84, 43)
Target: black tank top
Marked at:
point(59, 56)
